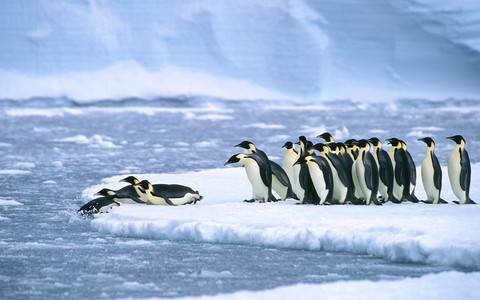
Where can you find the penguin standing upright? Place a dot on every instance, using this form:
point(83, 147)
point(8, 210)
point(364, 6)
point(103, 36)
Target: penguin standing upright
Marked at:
point(385, 169)
point(459, 171)
point(342, 185)
point(431, 173)
point(257, 174)
point(280, 182)
point(367, 173)
point(321, 174)
point(412, 170)
point(401, 173)
point(289, 159)
point(308, 194)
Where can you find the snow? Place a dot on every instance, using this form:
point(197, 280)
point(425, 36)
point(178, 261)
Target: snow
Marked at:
point(96, 141)
point(447, 285)
point(431, 234)
point(301, 50)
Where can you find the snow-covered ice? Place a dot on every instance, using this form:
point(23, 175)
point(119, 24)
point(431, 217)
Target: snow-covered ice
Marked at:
point(421, 233)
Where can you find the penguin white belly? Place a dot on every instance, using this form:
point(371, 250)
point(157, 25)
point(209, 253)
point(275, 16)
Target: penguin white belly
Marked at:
point(382, 188)
point(339, 189)
point(107, 208)
point(454, 169)
point(356, 181)
point(297, 189)
point(366, 192)
point(318, 181)
point(279, 188)
point(259, 189)
point(155, 200)
point(427, 179)
point(397, 189)
point(187, 198)
point(288, 162)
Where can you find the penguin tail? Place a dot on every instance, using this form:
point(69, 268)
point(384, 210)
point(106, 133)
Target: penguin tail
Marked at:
point(441, 201)
point(470, 201)
point(376, 201)
point(426, 201)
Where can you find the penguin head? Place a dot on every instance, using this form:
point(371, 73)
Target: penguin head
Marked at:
point(363, 144)
point(302, 139)
point(428, 140)
point(457, 139)
point(375, 142)
point(341, 147)
point(247, 145)
point(320, 147)
point(288, 145)
point(333, 147)
point(130, 179)
point(234, 158)
point(145, 185)
point(394, 142)
point(104, 192)
point(327, 137)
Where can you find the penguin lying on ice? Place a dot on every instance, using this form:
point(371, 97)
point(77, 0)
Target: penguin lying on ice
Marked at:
point(172, 194)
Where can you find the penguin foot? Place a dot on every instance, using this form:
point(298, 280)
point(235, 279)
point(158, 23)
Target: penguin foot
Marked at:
point(413, 198)
point(395, 200)
point(376, 202)
point(427, 202)
point(249, 201)
point(456, 202)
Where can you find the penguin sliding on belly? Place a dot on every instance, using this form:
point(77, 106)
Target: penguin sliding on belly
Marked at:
point(459, 171)
point(175, 194)
point(257, 174)
point(125, 195)
point(169, 194)
point(431, 173)
point(99, 205)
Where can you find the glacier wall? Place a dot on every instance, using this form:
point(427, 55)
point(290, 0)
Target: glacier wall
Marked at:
point(306, 50)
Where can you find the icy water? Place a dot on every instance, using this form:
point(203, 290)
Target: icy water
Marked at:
point(51, 150)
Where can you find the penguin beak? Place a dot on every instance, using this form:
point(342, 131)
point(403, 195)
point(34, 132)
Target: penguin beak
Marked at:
point(299, 161)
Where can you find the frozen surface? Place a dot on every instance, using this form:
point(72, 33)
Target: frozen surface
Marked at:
point(305, 50)
point(432, 234)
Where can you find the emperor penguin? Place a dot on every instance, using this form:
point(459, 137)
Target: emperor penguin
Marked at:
point(280, 182)
point(126, 194)
point(289, 158)
point(385, 170)
point(459, 171)
point(352, 148)
point(412, 174)
point(169, 194)
point(176, 193)
point(99, 205)
point(367, 173)
point(327, 137)
point(401, 173)
point(321, 175)
point(342, 185)
point(257, 174)
point(431, 173)
point(306, 190)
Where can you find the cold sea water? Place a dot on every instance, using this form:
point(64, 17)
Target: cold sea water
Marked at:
point(52, 149)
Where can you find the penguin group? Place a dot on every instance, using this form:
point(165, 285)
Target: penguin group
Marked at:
point(353, 172)
point(140, 192)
